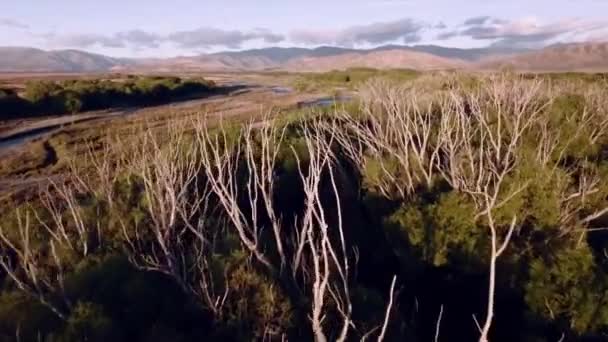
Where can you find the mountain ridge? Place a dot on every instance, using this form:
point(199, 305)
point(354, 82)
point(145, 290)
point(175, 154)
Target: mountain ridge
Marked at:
point(559, 57)
point(26, 59)
point(592, 56)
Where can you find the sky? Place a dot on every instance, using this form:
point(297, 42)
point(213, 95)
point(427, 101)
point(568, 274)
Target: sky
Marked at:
point(154, 28)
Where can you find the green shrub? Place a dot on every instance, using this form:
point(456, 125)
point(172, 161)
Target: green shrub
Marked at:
point(72, 102)
point(256, 304)
point(71, 96)
point(441, 233)
point(568, 286)
point(88, 322)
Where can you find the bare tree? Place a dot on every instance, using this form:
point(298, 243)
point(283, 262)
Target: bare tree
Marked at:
point(222, 163)
point(34, 257)
point(26, 270)
point(179, 238)
point(262, 170)
point(324, 255)
point(473, 141)
point(490, 125)
point(399, 125)
point(168, 173)
point(387, 315)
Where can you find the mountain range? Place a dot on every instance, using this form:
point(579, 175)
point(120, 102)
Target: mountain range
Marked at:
point(23, 59)
point(579, 56)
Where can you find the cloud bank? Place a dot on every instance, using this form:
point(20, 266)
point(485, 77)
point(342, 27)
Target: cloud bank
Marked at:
point(204, 37)
point(405, 30)
point(526, 32)
point(7, 22)
point(523, 32)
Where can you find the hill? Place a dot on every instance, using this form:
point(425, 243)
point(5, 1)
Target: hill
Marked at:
point(562, 57)
point(23, 59)
point(390, 59)
point(282, 55)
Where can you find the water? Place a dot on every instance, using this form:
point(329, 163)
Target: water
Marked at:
point(282, 90)
point(6, 144)
point(325, 101)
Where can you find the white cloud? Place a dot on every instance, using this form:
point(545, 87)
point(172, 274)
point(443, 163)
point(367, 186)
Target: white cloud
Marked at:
point(209, 37)
point(138, 39)
point(7, 22)
point(407, 30)
point(531, 31)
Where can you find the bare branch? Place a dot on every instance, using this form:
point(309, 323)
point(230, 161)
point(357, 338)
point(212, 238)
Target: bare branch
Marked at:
point(388, 310)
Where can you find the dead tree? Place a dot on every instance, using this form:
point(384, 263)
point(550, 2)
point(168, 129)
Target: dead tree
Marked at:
point(222, 161)
point(487, 130)
point(398, 124)
point(34, 257)
point(178, 240)
point(97, 168)
point(261, 171)
point(324, 255)
point(168, 172)
point(26, 270)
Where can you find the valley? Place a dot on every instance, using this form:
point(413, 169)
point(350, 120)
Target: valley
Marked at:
point(304, 171)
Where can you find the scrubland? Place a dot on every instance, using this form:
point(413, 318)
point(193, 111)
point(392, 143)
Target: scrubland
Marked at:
point(441, 207)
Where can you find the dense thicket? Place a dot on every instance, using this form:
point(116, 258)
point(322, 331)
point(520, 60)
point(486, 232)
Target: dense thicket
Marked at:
point(72, 96)
point(449, 211)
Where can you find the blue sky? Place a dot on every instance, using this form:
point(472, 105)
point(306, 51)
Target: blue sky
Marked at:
point(139, 28)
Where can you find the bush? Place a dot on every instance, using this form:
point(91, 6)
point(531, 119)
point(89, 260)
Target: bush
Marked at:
point(72, 96)
point(72, 102)
point(439, 233)
point(568, 287)
point(88, 322)
point(257, 305)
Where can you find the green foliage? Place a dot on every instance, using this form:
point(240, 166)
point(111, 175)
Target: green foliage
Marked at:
point(112, 301)
point(257, 305)
point(41, 91)
point(72, 102)
point(379, 171)
point(569, 287)
point(88, 322)
point(71, 96)
point(538, 197)
point(566, 115)
point(440, 232)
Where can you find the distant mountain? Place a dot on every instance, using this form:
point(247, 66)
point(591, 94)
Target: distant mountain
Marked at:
point(584, 56)
point(329, 57)
point(215, 62)
point(471, 55)
point(23, 59)
point(388, 59)
point(560, 57)
point(282, 55)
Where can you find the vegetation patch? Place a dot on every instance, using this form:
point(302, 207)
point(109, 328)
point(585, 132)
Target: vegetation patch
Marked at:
point(73, 96)
point(468, 209)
